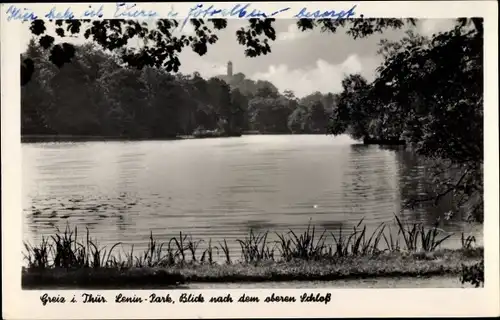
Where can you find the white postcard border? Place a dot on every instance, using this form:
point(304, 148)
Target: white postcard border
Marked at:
point(19, 304)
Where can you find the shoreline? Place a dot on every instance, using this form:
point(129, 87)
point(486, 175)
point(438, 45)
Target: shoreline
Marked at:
point(390, 266)
point(433, 282)
point(34, 138)
point(62, 260)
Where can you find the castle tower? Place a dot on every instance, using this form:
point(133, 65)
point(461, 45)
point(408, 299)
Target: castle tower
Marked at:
point(229, 69)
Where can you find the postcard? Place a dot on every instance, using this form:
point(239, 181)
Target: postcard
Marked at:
point(234, 160)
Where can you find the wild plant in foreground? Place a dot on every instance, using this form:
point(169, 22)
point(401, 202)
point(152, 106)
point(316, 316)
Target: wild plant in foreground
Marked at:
point(467, 243)
point(473, 274)
point(410, 234)
point(428, 238)
point(284, 246)
point(180, 244)
point(225, 249)
point(153, 255)
point(342, 243)
point(100, 256)
point(304, 246)
point(365, 247)
point(192, 246)
point(357, 242)
point(207, 255)
point(392, 243)
point(67, 252)
point(254, 248)
point(37, 257)
point(64, 251)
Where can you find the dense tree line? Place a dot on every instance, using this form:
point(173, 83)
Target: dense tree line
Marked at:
point(94, 94)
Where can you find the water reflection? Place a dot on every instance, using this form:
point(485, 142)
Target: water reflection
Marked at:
point(370, 183)
point(416, 182)
point(219, 188)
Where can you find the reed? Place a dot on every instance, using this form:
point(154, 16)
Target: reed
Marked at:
point(469, 242)
point(254, 247)
point(303, 246)
point(225, 249)
point(208, 255)
point(65, 250)
point(429, 238)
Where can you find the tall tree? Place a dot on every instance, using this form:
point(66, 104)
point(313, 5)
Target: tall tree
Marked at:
point(431, 92)
point(354, 110)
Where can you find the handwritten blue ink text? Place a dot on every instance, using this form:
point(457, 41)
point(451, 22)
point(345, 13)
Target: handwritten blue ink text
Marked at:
point(92, 13)
point(129, 10)
point(60, 15)
point(239, 10)
point(172, 13)
point(199, 11)
point(331, 14)
point(15, 13)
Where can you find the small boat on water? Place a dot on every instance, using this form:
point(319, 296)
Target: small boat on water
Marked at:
point(214, 134)
point(388, 142)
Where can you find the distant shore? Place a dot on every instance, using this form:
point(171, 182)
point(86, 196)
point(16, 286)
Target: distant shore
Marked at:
point(30, 138)
point(83, 138)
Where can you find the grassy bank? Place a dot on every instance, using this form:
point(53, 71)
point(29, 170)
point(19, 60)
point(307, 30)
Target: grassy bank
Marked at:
point(63, 261)
point(394, 264)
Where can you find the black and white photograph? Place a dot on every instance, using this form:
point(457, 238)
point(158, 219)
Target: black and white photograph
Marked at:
point(201, 160)
point(261, 153)
point(244, 159)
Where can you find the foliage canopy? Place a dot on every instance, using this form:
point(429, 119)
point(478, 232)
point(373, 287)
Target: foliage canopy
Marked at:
point(161, 45)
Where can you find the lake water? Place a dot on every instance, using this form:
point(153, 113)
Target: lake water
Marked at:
point(219, 188)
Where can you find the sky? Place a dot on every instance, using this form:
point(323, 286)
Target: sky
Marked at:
point(304, 62)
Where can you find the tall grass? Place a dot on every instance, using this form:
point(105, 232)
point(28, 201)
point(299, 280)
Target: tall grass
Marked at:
point(254, 248)
point(64, 250)
point(303, 246)
point(469, 242)
point(428, 237)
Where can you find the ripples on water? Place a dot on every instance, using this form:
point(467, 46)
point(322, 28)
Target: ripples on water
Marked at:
point(218, 188)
